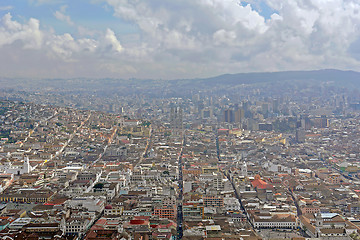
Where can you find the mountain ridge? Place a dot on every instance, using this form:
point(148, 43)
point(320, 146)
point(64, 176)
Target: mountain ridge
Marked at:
point(331, 74)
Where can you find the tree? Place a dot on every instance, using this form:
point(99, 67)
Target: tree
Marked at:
point(99, 186)
point(146, 123)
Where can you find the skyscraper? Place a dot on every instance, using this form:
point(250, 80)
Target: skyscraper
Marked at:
point(176, 117)
point(239, 115)
point(229, 115)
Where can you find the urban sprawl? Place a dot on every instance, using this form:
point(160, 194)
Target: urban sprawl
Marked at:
point(198, 167)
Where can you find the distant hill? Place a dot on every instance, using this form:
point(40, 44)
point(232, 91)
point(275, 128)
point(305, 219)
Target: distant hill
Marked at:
point(336, 76)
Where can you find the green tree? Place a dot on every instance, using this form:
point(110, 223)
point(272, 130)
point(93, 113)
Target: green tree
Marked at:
point(99, 186)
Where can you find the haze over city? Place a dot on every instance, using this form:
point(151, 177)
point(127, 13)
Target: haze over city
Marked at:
point(180, 119)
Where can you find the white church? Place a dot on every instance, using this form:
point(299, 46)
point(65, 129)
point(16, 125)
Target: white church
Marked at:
point(16, 169)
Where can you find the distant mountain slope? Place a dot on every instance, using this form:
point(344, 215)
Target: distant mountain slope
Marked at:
point(249, 78)
point(348, 79)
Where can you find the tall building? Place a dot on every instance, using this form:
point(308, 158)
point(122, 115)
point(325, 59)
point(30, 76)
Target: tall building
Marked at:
point(300, 135)
point(324, 121)
point(239, 115)
point(305, 122)
point(265, 108)
point(246, 105)
point(229, 116)
point(176, 117)
point(276, 106)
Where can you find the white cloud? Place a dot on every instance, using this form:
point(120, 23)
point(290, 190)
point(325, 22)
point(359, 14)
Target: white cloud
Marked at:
point(28, 33)
point(111, 42)
point(223, 35)
point(61, 15)
point(23, 44)
point(6, 8)
point(83, 31)
point(64, 46)
point(196, 38)
point(43, 2)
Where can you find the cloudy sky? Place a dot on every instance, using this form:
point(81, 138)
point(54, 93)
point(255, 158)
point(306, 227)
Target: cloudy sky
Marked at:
point(170, 39)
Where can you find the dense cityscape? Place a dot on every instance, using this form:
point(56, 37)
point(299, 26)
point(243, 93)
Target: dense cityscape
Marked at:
point(251, 162)
point(180, 120)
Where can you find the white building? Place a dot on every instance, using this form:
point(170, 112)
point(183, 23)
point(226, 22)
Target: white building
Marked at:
point(271, 167)
point(231, 204)
point(16, 169)
point(91, 204)
point(187, 186)
point(108, 189)
point(76, 225)
point(19, 223)
point(267, 220)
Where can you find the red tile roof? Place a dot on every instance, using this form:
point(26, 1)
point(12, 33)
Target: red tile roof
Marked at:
point(260, 184)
